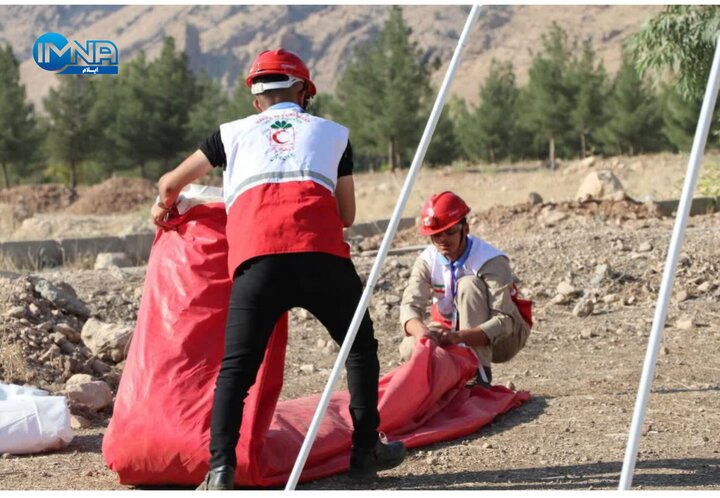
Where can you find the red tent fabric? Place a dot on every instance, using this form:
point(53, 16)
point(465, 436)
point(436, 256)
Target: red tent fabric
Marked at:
point(159, 432)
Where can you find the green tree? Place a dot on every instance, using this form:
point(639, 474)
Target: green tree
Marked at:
point(588, 82)
point(18, 137)
point(546, 101)
point(72, 136)
point(170, 87)
point(108, 153)
point(130, 129)
point(381, 93)
point(241, 104)
point(682, 40)
point(680, 118)
point(487, 132)
point(206, 115)
point(444, 147)
point(635, 122)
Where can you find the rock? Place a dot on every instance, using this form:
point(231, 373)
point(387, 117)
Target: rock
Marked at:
point(81, 389)
point(5, 456)
point(610, 298)
point(704, 287)
point(583, 308)
point(15, 312)
point(112, 259)
point(566, 289)
point(58, 338)
point(67, 347)
point(307, 368)
point(33, 309)
point(330, 348)
point(392, 299)
point(304, 314)
point(103, 337)
point(552, 217)
point(601, 273)
point(117, 355)
point(685, 323)
point(100, 367)
point(620, 245)
point(559, 299)
point(44, 326)
point(588, 162)
point(645, 247)
point(599, 185)
point(534, 198)
point(487, 446)
point(681, 295)
point(510, 385)
point(61, 295)
point(587, 334)
point(320, 343)
point(68, 331)
point(79, 422)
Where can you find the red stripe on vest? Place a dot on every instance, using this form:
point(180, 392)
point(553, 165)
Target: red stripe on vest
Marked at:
point(279, 218)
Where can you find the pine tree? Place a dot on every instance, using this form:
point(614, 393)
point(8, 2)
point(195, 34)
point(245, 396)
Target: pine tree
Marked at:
point(108, 153)
point(72, 136)
point(380, 95)
point(487, 132)
point(206, 115)
point(547, 98)
point(634, 122)
point(171, 90)
point(680, 118)
point(241, 104)
point(588, 82)
point(18, 137)
point(130, 130)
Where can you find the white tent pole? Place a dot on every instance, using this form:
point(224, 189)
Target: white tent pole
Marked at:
point(670, 267)
point(382, 253)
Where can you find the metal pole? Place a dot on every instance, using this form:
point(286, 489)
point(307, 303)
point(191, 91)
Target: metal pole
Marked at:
point(670, 267)
point(384, 247)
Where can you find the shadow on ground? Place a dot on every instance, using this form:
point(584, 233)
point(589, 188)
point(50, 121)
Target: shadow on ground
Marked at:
point(668, 474)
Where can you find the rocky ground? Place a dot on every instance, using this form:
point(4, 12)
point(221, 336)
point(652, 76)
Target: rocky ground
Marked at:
point(593, 270)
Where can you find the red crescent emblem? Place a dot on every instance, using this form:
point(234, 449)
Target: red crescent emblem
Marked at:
point(276, 139)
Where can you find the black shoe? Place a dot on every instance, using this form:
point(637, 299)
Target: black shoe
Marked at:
point(219, 479)
point(365, 463)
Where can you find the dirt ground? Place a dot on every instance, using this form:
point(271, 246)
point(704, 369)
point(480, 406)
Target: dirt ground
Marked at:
point(582, 372)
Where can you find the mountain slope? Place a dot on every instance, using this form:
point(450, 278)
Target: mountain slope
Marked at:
point(224, 39)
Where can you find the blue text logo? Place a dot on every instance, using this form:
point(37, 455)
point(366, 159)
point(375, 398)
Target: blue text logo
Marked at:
point(53, 52)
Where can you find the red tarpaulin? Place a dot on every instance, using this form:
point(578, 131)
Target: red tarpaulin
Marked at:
point(160, 429)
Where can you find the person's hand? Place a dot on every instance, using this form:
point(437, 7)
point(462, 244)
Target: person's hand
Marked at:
point(448, 338)
point(159, 214)
point(433, 335)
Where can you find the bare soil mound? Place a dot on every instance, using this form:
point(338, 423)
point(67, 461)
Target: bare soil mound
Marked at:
point(115, 195)
point(31, 199)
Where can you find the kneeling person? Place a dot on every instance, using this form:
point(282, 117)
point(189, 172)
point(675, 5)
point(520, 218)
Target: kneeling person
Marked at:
point(470, 285)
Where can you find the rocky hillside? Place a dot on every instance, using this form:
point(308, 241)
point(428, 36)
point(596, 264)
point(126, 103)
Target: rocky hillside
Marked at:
point(223, 39)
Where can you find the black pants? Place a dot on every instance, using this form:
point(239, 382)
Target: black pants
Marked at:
point(266, 287)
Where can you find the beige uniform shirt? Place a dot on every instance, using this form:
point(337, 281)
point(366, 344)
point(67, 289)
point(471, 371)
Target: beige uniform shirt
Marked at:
point(504, 317)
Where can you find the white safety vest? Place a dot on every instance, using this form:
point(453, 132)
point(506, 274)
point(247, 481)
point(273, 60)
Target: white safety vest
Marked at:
point(444, 274)
point(280, 145)
point(279, 184)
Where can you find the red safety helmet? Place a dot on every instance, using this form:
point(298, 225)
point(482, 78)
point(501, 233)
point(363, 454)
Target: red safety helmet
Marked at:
point(279, 61)
point(441, 211)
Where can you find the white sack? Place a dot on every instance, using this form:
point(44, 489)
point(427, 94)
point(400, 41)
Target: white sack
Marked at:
point(31, 421)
